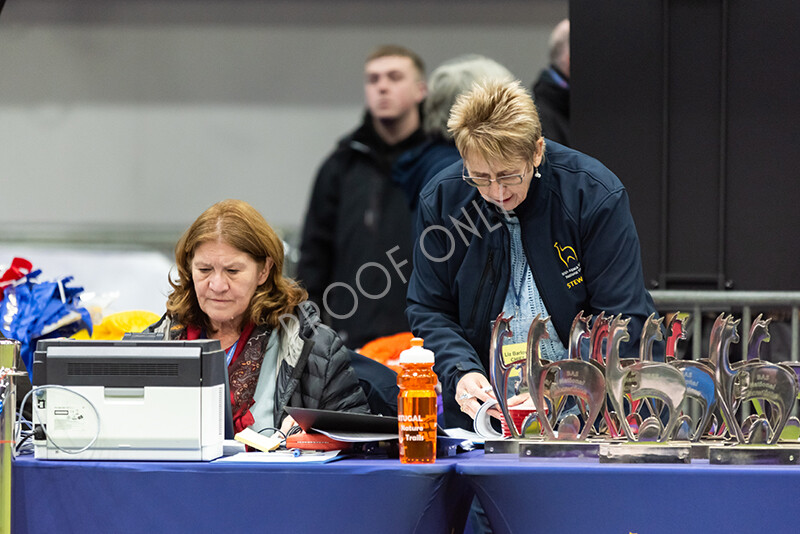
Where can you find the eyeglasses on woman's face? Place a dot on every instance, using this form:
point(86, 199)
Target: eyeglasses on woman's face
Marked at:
point(485, 181)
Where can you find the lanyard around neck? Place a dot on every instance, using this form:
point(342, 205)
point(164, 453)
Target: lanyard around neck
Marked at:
point(230, 352)
point(518, 292)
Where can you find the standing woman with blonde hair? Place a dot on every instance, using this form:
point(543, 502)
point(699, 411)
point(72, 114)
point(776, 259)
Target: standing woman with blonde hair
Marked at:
point(520, 225)
point(230, 287)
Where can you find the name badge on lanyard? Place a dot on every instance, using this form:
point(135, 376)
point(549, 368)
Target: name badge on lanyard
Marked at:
point(515, 352)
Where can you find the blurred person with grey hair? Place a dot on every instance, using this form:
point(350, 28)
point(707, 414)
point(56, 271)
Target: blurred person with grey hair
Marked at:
point(455, 76)
point(551, 90)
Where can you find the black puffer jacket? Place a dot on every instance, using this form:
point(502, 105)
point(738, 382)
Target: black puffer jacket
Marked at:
point(314, 371)
point(322, 378)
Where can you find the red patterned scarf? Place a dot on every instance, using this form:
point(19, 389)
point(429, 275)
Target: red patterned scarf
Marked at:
point(243, 371)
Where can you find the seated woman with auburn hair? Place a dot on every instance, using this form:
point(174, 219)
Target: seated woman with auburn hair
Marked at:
point(230, 287)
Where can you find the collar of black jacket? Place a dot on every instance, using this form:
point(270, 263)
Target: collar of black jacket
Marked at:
point(368, 136)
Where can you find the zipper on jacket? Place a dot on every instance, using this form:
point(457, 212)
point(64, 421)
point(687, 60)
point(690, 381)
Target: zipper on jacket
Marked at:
point(485, 330)
point(487, 268)
point(542, 292)
point(486, 320)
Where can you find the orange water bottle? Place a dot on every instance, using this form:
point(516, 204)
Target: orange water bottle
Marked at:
point(416, 405)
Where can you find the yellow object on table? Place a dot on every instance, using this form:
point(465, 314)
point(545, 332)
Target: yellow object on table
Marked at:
point(116, 325)
point(253, 439)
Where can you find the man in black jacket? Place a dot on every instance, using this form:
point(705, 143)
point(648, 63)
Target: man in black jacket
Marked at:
point(355, 254)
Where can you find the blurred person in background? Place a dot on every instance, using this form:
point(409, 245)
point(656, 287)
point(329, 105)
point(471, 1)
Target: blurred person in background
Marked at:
point(416, 167)
point(551, 90)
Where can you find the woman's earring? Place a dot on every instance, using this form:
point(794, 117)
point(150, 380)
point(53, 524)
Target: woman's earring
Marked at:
point(536, 172)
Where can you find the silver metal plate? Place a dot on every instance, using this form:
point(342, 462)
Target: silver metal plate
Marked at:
point(645, 453)
point(559, 449)
point(754, 455)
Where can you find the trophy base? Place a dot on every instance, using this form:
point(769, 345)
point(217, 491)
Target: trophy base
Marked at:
point(699, 448)
point(700, 451)
point(743, 454)
point(645, 453)
point(558, 449)
point(503, 446)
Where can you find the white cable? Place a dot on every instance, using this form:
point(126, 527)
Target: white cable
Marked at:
point(47, 437)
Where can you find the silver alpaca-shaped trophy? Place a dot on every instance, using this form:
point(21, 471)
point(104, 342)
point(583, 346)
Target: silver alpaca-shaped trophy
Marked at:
point(676, 331)
point(651, 332)
point(759, 333)
point(650, 427)
point(564, 377)
point(577, 332)
point(500, 372)
point(754, 380)
point(598, 338)
point(597, 344)
point(700, 383)
point(723, 333)
point(755, 428)
point(642, 380)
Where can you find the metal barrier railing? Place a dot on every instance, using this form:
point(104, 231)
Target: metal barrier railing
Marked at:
point(741, 304)
point(697, 302)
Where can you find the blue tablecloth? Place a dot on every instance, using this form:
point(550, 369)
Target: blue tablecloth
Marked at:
point(554, 496)
point(372, 495)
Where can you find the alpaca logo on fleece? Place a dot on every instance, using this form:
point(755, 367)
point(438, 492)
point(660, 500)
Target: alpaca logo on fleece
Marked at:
point(572, 274)
point(566, 253)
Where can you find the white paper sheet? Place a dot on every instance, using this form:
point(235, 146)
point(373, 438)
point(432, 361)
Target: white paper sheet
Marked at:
point(281, 456)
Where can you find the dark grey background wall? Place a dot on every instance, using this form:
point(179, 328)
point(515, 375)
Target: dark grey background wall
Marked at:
point(694, 105)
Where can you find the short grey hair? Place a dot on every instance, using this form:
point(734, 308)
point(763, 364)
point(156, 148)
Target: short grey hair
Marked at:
point(559, 45)
point(452, 78)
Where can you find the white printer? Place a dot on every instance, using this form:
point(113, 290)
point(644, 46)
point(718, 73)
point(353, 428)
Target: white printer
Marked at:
point(129, 400)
